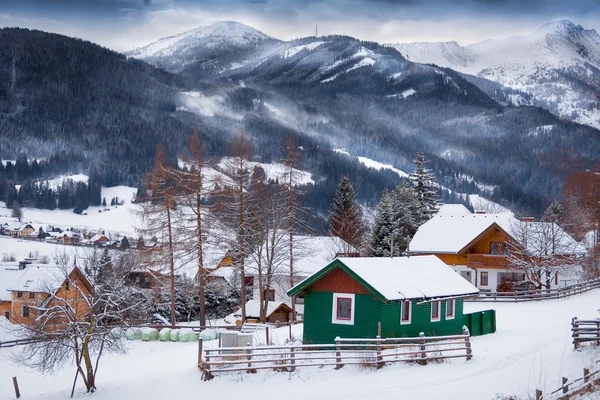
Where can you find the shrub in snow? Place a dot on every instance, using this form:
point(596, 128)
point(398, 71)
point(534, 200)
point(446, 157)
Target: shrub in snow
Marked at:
point(187, 335)
point(165, 335)
point(175, 335)
point(133, 334)
point(149, 334)
point(208, 334)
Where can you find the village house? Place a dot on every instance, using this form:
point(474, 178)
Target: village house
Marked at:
point(98, 239)
point(477, 246)
point(277, 312)
point(19, 230)
point(40, 285)
point(398, 297)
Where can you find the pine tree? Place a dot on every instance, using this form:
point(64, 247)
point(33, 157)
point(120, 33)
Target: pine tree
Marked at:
point(345, 217)
point(406, 215)
point(422, 179)
point(381, 235)
point(553, 212)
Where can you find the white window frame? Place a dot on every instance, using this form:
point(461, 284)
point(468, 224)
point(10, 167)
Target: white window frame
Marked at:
point(334, 319)
point(409, 305)
point(453, 302)
point(439, 311)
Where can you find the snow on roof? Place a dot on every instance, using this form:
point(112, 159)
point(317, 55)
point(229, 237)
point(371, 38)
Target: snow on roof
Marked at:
point(38, 278)
point(449, 233)
point(453, 209)
point(253, 308)
point(226, 273)
point(8, 276)
point(410, 277)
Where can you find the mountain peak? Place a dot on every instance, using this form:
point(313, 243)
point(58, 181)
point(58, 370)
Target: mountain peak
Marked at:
point(560, 27)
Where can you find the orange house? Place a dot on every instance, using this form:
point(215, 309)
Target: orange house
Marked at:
point(476, 245)
point(40, 286)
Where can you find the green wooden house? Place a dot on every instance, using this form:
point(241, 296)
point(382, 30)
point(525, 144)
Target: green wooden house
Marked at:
point(350, 297)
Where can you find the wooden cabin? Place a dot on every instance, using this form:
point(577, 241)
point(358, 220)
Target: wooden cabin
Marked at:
point(404, 296)
point(477, 245)
point(35, 287)
point(276, 312)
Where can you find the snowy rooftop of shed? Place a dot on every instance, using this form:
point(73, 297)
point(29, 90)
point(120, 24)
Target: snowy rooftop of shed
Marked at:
point(400, 278)
point(253, 308)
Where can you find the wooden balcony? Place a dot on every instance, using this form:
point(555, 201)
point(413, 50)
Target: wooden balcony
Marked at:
point(487, 261)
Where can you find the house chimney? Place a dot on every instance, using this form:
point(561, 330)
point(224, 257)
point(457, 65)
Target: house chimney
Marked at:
point(528, 219)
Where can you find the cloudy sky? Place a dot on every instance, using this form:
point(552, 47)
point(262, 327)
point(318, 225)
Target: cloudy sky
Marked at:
point(126, 24)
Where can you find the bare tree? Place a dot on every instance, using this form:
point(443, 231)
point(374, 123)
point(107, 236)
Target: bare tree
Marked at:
point(157, 219)
point(17, 212)
point(541, 251)
point(73, 323)
point(238, 166)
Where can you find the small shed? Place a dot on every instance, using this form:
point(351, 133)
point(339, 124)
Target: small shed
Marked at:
point(407, 295)
point(276, 312)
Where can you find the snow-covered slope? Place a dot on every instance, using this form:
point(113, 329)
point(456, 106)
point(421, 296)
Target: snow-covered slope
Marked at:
point(201, 44)
point(558, 64)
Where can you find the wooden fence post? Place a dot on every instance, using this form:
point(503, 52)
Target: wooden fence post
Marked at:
point(565, 387)
point(206, 373)
point(467, 343)
point(249, 352)
point(16, 385)
point(200, 352)
point(597, 332)
point(423, 349)
point(267, 333)
point(292, 359)
point(575, 332)
point(538, 394)
point(338, 354)
point(379, 357)
point(586, 375)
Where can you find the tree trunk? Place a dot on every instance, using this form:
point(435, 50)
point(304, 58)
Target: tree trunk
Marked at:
point(172, 262)
point(241, 242)
point(201, 272)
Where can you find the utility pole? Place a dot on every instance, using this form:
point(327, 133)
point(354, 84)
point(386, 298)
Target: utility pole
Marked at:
point(317, 30)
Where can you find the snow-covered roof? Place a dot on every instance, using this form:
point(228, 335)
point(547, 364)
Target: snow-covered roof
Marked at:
point(253, 308)
point(226, 273)
point(97, 237)
point(38, 278)
point(8, 276)
point(453, 209)
point(450, 233)
point(414, 277)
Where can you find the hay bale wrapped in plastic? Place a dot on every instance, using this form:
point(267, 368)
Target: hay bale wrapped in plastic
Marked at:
point(208, 334)
point(117, 333)
point(175, 335)
point(149, 334)
point(165, 335)
point(133, 334)
point(187, 335)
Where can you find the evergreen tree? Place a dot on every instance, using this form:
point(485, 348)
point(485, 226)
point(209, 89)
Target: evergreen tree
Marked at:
point(381, 235)
point(406, 216)
point(422, 179)
point(94, 187)
point(553, 212)
point(104, 202)
point(345, 217)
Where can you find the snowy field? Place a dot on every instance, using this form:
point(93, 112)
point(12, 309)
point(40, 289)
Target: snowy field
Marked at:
point(532, 348)
point(116, 219)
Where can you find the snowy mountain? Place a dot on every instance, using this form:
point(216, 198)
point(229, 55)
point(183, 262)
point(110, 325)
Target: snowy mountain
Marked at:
point(201, 44)
point(558, 65)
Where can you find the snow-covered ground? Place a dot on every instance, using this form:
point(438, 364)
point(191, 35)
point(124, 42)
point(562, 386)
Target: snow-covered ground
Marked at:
point(115, 219)
point(531, 349)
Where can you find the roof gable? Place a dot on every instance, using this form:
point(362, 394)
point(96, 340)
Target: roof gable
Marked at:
point(399, 278)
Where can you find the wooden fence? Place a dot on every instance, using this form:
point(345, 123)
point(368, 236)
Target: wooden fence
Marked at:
point(369, 353)
point(536, 295)
point(570, 389)
point(585, 331)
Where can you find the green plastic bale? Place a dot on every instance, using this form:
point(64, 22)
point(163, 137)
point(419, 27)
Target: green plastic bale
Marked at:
point(149, 334)
point(133, 334)
point(165, 335)
point(175, 335)
point(187, 335)
point(208, 334)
